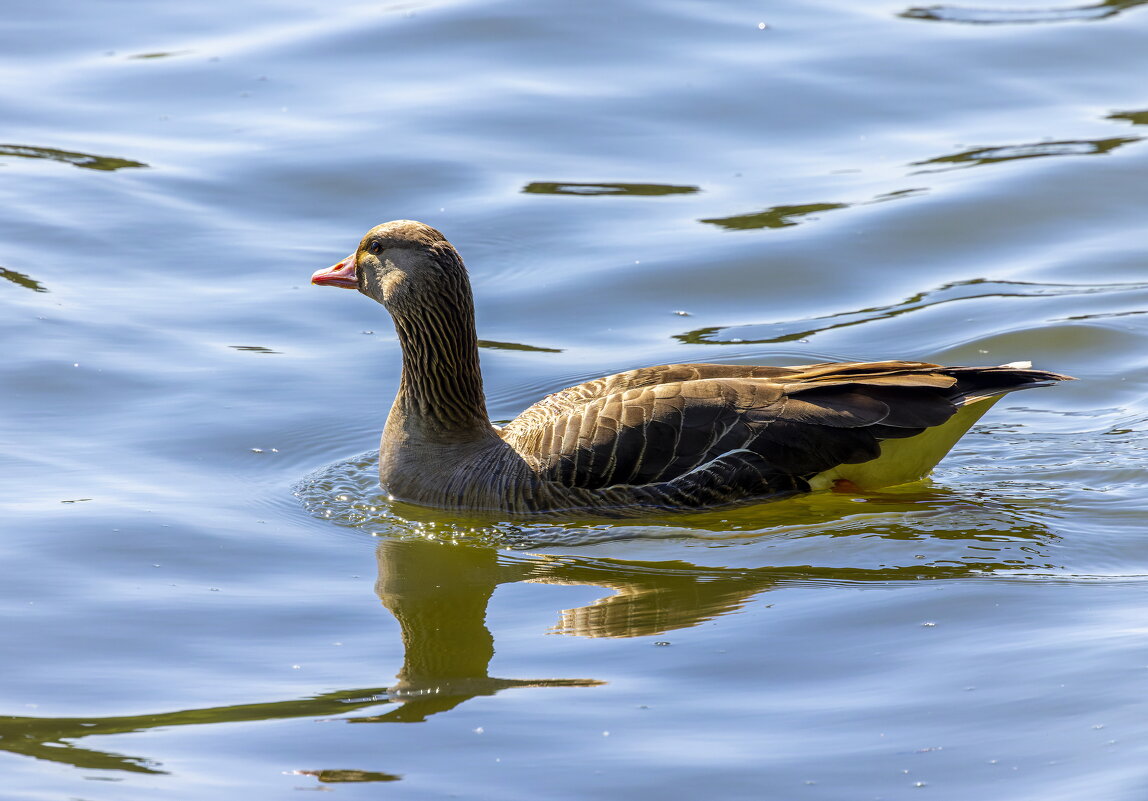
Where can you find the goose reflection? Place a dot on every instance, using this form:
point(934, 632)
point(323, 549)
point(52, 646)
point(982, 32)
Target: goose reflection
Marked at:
point(439, 593)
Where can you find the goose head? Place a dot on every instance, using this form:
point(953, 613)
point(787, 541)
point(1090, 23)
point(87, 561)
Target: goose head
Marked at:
point(404, 265)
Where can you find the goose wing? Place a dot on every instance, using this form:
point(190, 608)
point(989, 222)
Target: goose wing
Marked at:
point(764, 426)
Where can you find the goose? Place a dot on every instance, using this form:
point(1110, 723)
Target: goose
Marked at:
point(675, 437)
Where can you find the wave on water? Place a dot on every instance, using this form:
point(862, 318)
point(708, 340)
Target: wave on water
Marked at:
point(347, 494)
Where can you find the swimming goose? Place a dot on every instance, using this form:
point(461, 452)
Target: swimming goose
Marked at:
point(672, 437)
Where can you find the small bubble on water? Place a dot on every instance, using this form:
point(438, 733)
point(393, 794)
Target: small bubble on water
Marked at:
point(661, 643)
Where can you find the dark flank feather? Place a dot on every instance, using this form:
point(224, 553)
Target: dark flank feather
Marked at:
point(787, 423)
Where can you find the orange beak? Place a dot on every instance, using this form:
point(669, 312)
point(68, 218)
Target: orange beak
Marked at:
point(342, 274)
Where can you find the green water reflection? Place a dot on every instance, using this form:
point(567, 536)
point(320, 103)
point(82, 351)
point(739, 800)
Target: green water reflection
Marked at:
point(494, 345)
point(85, 160)
point(1020, 16)
point(556, 188)
point(159, 54)
point(787, 216)
point(775, 217)
point(254, 349)
point(1134, 117)
point(20, 279)
point(346, 776)
point(994, 155)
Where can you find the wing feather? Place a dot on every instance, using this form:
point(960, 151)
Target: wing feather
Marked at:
point(685, 432)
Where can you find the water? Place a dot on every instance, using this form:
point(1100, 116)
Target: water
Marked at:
point(204, 594)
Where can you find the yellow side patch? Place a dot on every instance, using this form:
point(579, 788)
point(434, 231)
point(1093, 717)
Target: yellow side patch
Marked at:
point(909, 459)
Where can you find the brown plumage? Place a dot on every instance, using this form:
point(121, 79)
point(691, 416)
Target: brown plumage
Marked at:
point(672, 437)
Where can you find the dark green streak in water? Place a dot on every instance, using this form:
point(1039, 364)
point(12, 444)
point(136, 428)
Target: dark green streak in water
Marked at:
point(1134, 117)
point(85, 160)
point(775, 217)
point(253, 348)
point(159, 54)
point(493, 345)
point(344, 776)
point(554, 188)
point(993, 155)
point(1020, 16)
point(22, 280)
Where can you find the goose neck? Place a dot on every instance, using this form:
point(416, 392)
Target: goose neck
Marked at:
point(440, 393)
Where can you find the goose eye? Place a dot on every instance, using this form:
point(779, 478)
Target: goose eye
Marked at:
point(374, 248)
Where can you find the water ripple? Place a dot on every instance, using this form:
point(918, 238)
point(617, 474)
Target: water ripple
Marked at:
point(347, 494)
point(975, 289)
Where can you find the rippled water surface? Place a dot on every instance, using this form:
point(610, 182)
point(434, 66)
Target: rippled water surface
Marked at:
point(205, 595)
